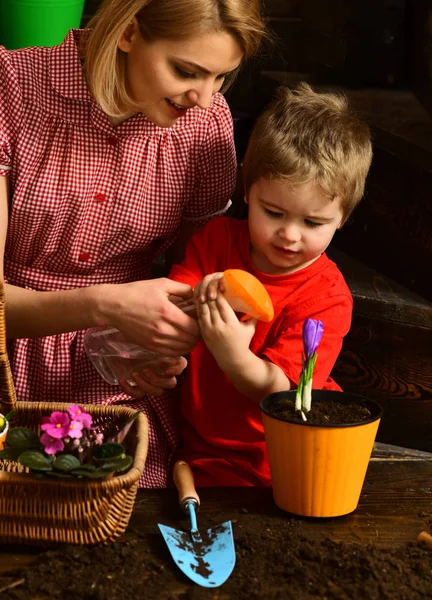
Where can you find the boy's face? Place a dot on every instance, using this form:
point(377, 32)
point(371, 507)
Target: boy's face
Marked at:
point(290, 225)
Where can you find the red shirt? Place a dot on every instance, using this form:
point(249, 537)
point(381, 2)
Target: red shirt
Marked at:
point(92, 203)
point(223, 438)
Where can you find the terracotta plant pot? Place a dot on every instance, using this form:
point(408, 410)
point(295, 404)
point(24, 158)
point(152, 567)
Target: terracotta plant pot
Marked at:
point(318, 470)
point(3, 433)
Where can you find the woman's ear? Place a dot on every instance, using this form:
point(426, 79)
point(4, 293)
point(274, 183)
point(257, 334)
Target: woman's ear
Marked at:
point(245, 199)
point(129, 35)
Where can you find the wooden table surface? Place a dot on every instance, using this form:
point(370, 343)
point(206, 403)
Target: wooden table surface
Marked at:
point(395, 506)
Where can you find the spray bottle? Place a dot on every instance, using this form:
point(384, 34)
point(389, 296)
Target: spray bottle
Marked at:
point(115, 358)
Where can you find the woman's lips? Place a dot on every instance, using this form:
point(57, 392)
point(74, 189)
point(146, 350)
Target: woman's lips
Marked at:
point(175, 110)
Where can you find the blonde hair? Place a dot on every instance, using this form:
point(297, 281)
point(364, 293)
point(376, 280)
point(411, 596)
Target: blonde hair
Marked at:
point(304, 136)
point(104, 63)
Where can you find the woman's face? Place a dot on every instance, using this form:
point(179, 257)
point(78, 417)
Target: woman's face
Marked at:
point(167, 77)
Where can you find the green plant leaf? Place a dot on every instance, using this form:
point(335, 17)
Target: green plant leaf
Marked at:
point(10, 415)
point(66, 462)
point(119, 435)
point(86, 467)
point(23, 438)
point(33, 459)
point(121, 464)
point(109, 451)
point(59, 475)
point(10, 453)
point(97, 474)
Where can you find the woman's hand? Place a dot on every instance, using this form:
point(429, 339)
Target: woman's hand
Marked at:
point(149, 381)
point(144, 314)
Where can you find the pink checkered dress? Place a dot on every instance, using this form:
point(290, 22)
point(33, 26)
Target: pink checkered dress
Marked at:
point(93, 203)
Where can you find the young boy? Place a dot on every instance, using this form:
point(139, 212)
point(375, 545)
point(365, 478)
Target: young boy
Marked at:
point(304, 172)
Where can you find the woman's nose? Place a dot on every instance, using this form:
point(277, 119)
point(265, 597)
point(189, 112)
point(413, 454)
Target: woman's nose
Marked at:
point(202, 95)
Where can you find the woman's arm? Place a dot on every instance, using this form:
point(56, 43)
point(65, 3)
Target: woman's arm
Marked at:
point(4, 182)
point(141, 310)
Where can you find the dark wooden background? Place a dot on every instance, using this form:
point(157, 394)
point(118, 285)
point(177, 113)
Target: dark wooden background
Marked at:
point(377, 52)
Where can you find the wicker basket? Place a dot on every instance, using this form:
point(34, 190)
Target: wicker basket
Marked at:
point(78, 512)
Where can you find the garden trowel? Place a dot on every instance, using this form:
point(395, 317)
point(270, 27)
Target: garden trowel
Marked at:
point(208, 558)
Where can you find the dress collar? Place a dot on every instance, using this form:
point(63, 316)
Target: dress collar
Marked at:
point(65, 68)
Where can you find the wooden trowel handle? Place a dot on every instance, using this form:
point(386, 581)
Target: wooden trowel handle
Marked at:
point(184, 482)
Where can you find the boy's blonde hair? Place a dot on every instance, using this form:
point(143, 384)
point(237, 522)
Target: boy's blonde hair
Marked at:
point(159, 19)
point(304, 136)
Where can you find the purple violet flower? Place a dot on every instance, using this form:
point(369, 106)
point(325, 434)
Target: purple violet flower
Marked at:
point(77, 414)
point(56, 425)
point(75, 429)
point(51, 444)
point(312, 334)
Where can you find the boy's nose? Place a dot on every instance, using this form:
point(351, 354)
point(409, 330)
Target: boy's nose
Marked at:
point(290, 233)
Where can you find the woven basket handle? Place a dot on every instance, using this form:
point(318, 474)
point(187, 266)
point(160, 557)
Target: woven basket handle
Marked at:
point(7, 390)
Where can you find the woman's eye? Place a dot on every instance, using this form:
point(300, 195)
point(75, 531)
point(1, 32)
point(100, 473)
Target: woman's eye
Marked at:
point(312, 223)
point(185, 74)
point(273, 214)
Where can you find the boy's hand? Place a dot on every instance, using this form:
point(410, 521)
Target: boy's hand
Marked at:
point(208, 288)
point(226, 337)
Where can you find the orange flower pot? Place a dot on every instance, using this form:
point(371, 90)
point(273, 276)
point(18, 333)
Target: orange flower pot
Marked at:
point(318, 470)
point(3, 433)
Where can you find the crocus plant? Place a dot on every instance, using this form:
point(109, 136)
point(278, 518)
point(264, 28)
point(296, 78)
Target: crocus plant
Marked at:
point(69, 446)
point(312, 334)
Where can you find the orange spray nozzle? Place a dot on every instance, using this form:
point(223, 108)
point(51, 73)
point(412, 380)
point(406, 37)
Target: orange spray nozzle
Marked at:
point(246, 294)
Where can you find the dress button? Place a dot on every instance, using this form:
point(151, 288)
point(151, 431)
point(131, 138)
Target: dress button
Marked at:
point(84, 256)
point(112, 141)
point(100, 197)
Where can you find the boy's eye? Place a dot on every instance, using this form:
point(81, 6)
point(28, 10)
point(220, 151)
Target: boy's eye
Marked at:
point(273, 214)
point(185, 74)
point(312, 223)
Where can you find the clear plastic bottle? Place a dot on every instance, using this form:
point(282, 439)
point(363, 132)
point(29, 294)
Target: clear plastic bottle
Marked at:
point(115, 358)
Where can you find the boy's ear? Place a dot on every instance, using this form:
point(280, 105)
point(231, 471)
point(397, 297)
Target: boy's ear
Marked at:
point(245, 199)
point(129, 34)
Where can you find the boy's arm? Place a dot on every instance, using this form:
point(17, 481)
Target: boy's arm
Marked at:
point(279, 365)
point(228, 340)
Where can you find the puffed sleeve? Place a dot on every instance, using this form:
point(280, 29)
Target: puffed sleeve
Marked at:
point(202, 257)
point(10, 110)
point(217, 165)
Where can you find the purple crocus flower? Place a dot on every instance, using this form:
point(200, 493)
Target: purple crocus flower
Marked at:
point(51, 444)
point(56, 425)
point(312, 334)
point(77, 414)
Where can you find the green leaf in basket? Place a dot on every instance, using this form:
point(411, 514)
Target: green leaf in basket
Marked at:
point(35, 460)
point(96, 474)
point(86, 467)
point(23, 438)
point(59, 475)
point(10, 453)
point(109, 451)
point(66, 462)
point(120, 434)
point(120, 464)
point(40, 474)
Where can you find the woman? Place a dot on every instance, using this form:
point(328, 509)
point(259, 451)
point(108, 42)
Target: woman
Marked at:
point(115, 146)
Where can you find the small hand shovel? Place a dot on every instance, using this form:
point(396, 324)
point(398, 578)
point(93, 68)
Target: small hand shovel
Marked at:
point(207, 559)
